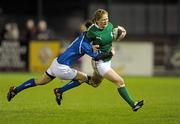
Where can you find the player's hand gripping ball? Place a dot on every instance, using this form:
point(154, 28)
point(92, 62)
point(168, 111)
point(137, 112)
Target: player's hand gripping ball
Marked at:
point(119, 33)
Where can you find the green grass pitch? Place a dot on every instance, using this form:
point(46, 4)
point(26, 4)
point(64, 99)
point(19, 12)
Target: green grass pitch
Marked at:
point(87, 105)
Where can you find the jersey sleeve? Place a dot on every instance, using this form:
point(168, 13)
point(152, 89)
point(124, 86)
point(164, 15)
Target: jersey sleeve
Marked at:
point(87, 49)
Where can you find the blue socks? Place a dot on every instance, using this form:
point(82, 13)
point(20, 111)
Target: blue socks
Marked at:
point(31, 83)
point(27, 84)
point(70, 85)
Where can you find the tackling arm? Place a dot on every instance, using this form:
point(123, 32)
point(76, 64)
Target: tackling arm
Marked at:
point(88, 49)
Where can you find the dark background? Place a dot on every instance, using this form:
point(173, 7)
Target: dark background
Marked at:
point(59, 13)
point(155, 21)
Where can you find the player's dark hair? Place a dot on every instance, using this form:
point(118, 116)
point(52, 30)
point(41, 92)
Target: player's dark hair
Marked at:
point(88, 23)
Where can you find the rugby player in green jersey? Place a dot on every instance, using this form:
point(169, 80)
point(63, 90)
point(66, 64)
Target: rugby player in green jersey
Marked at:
point(100, 32)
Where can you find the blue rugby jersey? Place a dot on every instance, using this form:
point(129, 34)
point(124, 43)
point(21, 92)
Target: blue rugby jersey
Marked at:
point(75, 50)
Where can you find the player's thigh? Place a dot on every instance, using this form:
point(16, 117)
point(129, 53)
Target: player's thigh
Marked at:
point(81, 76)
point(101, 67)
point(61, 71)
point(65, 72)
point(114, 77)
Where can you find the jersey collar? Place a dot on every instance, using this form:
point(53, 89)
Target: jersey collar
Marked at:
point(98, 27)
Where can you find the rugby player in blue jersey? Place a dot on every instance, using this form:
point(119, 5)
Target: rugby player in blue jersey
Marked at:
point(61, 68)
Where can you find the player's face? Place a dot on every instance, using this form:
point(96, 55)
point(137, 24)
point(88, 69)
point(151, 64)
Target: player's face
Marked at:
point(103, 22)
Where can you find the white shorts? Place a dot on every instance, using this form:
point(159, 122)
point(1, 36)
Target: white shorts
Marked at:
point(61, 71)
point(101, 67)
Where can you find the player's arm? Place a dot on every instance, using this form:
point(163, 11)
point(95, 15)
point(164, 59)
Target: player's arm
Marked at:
point(102, 56)
point(88, 49)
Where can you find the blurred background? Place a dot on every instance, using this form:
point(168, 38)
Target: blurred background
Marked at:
point(33, 32)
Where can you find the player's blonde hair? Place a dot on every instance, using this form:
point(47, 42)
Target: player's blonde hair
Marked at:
point(97, 15)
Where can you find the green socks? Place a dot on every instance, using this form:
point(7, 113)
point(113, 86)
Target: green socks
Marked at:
point(125, 95)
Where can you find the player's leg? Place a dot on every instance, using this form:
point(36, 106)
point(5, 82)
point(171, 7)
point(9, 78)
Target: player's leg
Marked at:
point(118, 80)
point(104, 69)
point(95, 80)
point(76, 81)
point(44, 79)
point(76, 77)
point(59, 91)
point(66, 73)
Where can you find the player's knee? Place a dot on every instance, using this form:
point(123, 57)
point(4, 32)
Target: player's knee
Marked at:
point(96, 80)
point(41, 81)
point(119, 82)
point(38, 82)
point(95, 85)
point(83, 79)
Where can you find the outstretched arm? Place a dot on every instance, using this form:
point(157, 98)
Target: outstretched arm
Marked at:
point(88, 49)
point(101, 56)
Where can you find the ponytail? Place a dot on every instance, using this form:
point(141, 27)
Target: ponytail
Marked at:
point(88, 23)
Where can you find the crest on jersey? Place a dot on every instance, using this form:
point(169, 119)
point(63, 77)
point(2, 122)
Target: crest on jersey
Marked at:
point(99, 38)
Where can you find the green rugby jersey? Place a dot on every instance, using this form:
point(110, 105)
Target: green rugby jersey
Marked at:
point(102, 37)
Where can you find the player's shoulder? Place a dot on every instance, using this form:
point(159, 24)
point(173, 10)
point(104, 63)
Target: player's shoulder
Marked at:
point(92, 27)
point(110, 25)
point(91, 30)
